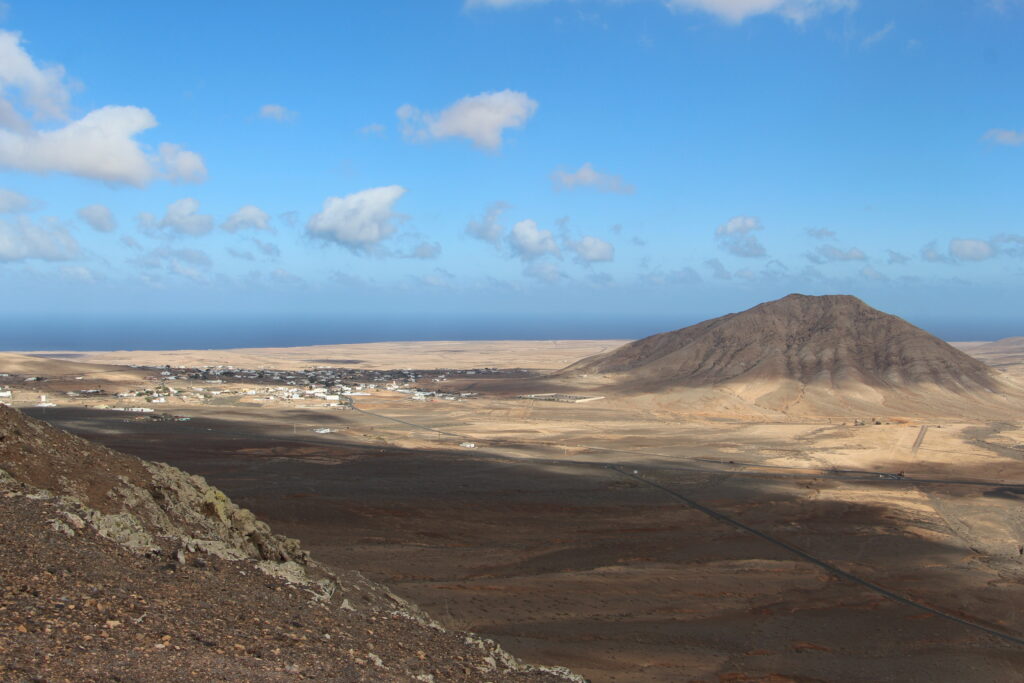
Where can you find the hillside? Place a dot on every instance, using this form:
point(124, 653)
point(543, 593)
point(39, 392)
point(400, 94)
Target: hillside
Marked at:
point(846, 353)
point(115, 568)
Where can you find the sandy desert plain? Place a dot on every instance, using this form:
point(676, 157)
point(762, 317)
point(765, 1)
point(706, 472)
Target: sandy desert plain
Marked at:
point(631, 538)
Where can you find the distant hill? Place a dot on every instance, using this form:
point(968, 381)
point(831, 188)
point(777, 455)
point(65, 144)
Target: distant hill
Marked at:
point(773, 353)
point(115, 568)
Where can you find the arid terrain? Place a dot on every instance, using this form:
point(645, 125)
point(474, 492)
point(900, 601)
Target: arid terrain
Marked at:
point(626, 536)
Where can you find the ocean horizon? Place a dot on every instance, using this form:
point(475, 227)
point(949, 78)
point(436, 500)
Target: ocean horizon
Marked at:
point(38, 332)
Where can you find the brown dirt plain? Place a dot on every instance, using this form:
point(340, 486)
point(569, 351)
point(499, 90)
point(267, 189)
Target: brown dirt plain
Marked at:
point(630, 538)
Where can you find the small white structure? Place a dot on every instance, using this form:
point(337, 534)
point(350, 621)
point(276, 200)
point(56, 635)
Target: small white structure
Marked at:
point(468, 444)
point(322, 430)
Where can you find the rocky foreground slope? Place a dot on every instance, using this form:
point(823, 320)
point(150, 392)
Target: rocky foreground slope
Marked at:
point(114, 568)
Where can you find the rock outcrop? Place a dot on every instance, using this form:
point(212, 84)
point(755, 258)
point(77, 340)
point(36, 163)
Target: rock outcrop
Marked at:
point(115, 568)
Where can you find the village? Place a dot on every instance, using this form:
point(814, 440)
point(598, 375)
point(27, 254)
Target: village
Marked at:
point(162, 388)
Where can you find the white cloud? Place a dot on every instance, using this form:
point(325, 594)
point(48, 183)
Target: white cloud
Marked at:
point(481, 118)
point(182, 217)
point(878, 35)
point(358, 221)
point(42, 89)
point(528, 241)
point(1001, 136)
point(15, 202)
point(971, 250)
point(277, 112)
point(869, 273)
point(187, 263)
point(426, 250)
point(739, 225)
point(545, 271)
point(373, 129)
point(79, 274)
point(181, 165)
point(592, 250)
point(734, 236)
point(21, 240)
point(588, 176)
point(827, 253)
point(896, 258)
point(735, 11)
point(283, 277)
point(98, 217)
point(101, 145)
point(268, 249)
point(821, 233)
point(932, 255)
point(439, 278)
point(500, 4)
point(717, 269)
point(248, 216)
point(488, 228)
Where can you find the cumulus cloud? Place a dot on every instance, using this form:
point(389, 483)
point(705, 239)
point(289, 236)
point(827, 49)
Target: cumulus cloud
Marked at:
point(545, 271)
point(732, 11)
point(1009, 244)
point(98, 217)
point(284, 277)
point(735, 11)
point(190, 264)
point(971, 250)
point(373, 129)
point(22, 240)
point(101, 145)
point(247, 217)
point(588, 176)
point(931, 254)
point(735, 237)
point(528, 242)
point(718, 271)
point(277, 112)
point(357, 221)
point(15, 202)
point(182, 217)
point(869, 273)
point(79, 274)
point(268, 249)
point(500, 4)
point(1002, 136)
point(821, 233)
point(896, 258)
point(682, 276)
point(439, 278)
point(827, 253)
point(480, 118)
point(426, 250)
point(42, 89)
point(488, 228)
point(591, 249)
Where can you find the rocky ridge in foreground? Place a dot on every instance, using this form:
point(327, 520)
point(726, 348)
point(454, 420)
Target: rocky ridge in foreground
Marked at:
point(114, 568)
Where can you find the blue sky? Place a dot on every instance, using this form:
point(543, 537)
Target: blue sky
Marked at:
point(559, 159)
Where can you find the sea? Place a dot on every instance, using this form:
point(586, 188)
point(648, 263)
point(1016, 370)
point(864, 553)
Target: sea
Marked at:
point(39, 332)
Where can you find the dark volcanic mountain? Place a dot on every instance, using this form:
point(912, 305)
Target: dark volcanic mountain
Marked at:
point(835, 341)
